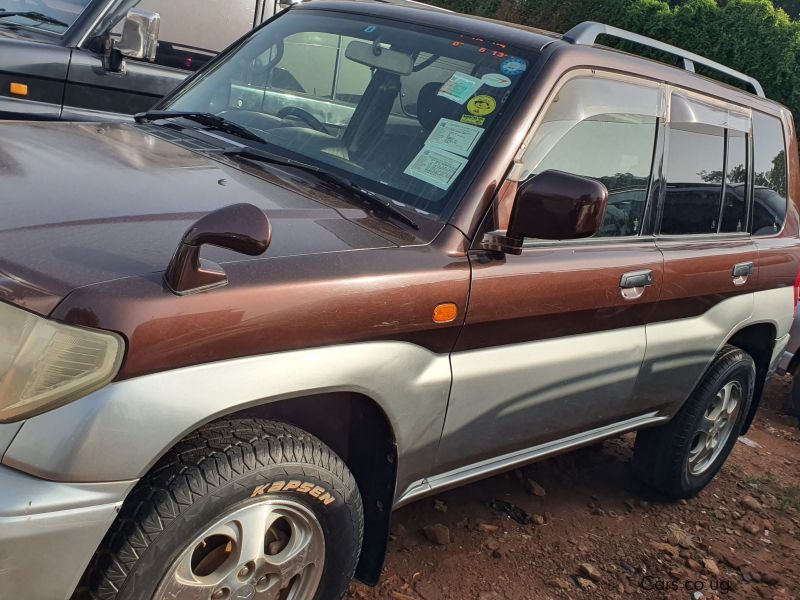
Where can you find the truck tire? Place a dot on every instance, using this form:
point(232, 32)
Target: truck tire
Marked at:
point(681, 457)
point(795, 408)
point(236, 508)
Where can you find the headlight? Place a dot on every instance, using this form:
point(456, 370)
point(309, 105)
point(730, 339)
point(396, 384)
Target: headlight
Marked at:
point(44, 364)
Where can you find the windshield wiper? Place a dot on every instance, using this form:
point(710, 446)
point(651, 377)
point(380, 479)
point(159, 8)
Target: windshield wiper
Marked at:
point(210, 120)
point(331, 178)
point(31, 14)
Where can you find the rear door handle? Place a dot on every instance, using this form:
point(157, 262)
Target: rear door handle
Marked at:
point(741, 271)
point(632, 284)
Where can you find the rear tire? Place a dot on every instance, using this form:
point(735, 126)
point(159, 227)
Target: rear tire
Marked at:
point(236, 507)
point(682, 457)
point(795, 408)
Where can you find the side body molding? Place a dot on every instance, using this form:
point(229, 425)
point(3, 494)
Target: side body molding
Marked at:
point(120, 431)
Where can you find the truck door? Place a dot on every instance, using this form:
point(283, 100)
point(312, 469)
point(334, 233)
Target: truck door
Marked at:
point(710, 259)
point(554, 338)
point(192, 32)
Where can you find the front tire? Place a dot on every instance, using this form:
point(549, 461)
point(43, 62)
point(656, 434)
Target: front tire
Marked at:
point(239, 509)
point(682, 457)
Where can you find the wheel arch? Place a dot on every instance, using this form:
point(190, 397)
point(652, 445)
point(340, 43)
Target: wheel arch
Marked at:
point(355, 427)
point(758, 340)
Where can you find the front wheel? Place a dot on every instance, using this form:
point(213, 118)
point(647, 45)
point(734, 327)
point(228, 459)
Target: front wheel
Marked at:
point(682, 457)
point(240, 509)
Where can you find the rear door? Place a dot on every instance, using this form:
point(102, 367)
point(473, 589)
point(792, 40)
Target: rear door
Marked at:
point(554, 338)
point(192, 32)
point(710, 260)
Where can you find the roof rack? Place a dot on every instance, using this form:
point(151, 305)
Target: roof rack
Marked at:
point(585, 34)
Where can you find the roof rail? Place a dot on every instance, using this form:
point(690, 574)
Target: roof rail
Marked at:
point(585, 34)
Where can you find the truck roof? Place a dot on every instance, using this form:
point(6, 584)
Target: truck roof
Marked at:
point(583, 35)
point(514, 34)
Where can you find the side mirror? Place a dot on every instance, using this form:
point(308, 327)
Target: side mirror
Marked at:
point(552, 206)
point(139, 39)
point(242, 228)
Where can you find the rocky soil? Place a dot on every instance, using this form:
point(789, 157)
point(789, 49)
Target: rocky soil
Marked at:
point(589, 530)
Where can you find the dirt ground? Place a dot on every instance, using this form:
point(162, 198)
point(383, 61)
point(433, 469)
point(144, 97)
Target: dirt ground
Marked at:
point(595, 533)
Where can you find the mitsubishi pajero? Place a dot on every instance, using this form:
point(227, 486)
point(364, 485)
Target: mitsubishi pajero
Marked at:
point(371, 252)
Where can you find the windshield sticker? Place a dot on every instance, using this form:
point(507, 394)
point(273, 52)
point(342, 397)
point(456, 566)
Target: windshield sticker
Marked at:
point(513, 66)
point(371, 29)
point(460, 87)
point(481, 105)
point(452, 136)
point(436, 167)
point(496, 80)
point(473, 120)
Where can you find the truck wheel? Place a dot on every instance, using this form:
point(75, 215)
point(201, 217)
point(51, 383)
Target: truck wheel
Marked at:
point(680, 458)
point(239, 509)
point(796, 394)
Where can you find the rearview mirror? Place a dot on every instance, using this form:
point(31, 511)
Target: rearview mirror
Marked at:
point(140, 31)
point(552, 206)
point(383, 59)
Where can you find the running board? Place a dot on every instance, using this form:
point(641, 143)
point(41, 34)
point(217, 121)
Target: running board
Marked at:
point(486, 468)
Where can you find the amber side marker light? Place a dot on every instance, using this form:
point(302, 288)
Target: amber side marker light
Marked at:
point(444, 313)
point(19, 89)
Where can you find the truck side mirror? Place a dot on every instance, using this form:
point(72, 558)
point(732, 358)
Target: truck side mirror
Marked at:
point(243, 228)
point(139, 39)
point(552, 206)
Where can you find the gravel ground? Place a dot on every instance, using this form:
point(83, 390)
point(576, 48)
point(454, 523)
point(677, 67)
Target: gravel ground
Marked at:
point(595, 533)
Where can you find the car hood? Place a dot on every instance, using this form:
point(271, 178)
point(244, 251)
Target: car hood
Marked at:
point(87, 203)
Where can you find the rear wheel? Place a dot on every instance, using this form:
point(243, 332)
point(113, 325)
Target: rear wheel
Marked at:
point(240, 509)
point(680, 458)
point(796, 394)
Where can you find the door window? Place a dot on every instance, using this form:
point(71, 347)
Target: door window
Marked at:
point(694, 179)
point(769, 175)
point(193, 32)
point(706, 167)
point(604, 129)
point(734, 209)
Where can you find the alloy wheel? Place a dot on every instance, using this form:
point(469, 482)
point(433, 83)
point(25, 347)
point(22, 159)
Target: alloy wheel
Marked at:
point(715, 428)
point(269, 550)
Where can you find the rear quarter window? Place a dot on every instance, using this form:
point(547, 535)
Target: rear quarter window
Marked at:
point(769, 175)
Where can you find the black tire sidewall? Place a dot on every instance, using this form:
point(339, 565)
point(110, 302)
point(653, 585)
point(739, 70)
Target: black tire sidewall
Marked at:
point(795, 408)
point(336, 519)
point(743, 371)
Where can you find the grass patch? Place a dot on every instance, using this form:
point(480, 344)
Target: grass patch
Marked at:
point(788, 497)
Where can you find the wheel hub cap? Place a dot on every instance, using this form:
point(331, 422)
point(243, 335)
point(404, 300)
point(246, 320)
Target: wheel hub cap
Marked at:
point(715, 428)
point(269, 550)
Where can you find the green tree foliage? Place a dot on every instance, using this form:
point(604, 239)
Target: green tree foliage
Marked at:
point(751, 36)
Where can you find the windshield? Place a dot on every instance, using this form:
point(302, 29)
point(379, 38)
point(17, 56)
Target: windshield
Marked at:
point(398, 108)
point(51, 15)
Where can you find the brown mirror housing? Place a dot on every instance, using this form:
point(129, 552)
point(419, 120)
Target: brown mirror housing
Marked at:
point(552, 206)
point(242, 228)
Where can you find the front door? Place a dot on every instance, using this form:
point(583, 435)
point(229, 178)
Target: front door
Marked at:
point(554, 338)
point(93, 93)
point(191, 33)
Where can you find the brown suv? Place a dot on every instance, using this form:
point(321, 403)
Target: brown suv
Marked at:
point(369, 253)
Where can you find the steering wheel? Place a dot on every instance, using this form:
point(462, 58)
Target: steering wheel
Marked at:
point(304, 116)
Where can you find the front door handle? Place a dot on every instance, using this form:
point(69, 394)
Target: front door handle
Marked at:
point(632, 284)
point(741, 271)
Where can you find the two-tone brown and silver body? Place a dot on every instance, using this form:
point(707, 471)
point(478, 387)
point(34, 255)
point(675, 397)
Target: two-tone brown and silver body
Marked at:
point(332, 328)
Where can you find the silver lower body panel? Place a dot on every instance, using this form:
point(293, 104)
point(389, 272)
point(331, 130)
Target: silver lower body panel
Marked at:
point(49, 532)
